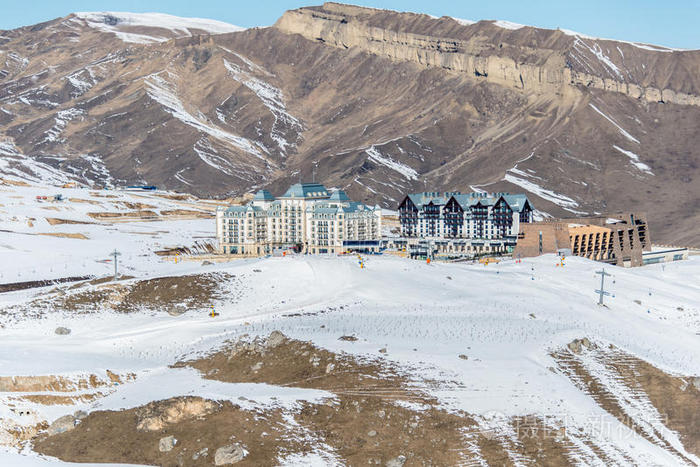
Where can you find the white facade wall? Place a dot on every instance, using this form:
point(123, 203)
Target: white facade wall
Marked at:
point(262, 226)
point(470, 226)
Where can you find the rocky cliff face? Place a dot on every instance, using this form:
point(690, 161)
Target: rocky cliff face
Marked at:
point(558, 60)
point(379, 103)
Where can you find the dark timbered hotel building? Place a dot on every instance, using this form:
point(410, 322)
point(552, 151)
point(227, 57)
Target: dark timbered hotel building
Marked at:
point(459, 223)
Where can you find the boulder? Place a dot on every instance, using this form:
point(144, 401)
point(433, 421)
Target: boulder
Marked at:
point(398, 461)
point(575, 346)
point(243, 346)
point(230, 454)
point(696, 382)
point(275, 339)
point(155, 416)
point(61, 331)
point(177, 310)
point(201, 453)
point(61, 425)
point(167, 444)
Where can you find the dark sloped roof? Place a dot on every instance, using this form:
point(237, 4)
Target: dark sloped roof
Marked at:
point(437, 198)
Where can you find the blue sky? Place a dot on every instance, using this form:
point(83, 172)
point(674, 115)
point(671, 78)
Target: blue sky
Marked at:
point(674, 23)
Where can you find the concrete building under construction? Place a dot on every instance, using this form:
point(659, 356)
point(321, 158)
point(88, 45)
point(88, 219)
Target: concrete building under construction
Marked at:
point(619, 239)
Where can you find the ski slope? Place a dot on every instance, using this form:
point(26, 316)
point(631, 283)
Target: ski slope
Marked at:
point(507, 318)
point(31, 248)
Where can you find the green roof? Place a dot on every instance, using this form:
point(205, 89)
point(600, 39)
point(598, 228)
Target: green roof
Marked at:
point(306, 190)
point(437, 198)
point(339, 195)
point(263, 195)
point(517, 202)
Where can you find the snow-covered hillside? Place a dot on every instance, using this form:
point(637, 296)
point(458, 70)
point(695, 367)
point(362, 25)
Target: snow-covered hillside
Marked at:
point(43, 239)
point(488, 341)
point(129, 26)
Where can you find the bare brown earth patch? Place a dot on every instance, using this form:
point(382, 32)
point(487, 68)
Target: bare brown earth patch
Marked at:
point(50, 383)
point(141, 214)
point(64, 235)
point(109, 436)
point(546, 445)
point(186, 213)
point(367, 422)
point(377, 416)
point(198, 248)
point(13, 434)
point(176, 197)
point(53, 399)
point(176, 294)
point(18, 391)
point(162, 293)
point(106, 280)
point(5, 181)
point(43, 283)
point(58, 383)
point(137, 206)
point(676, 399)
point(56, 221)
point(81, 200)
point(187, 292)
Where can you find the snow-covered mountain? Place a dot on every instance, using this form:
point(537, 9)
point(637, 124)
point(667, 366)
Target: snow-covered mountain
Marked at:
point(379, 102)
point(126, 26)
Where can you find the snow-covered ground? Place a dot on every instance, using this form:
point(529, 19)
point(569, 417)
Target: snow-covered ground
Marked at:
point(507, 318)
point(33, 249)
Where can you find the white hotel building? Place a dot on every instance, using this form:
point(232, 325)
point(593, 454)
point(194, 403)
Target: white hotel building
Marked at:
point(308, 218)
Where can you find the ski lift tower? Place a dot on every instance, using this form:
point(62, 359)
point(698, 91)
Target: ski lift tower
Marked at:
point(115, 254)
point(602, 291)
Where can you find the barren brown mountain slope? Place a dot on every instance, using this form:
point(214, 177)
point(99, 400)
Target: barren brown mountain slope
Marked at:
point(379, 102)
